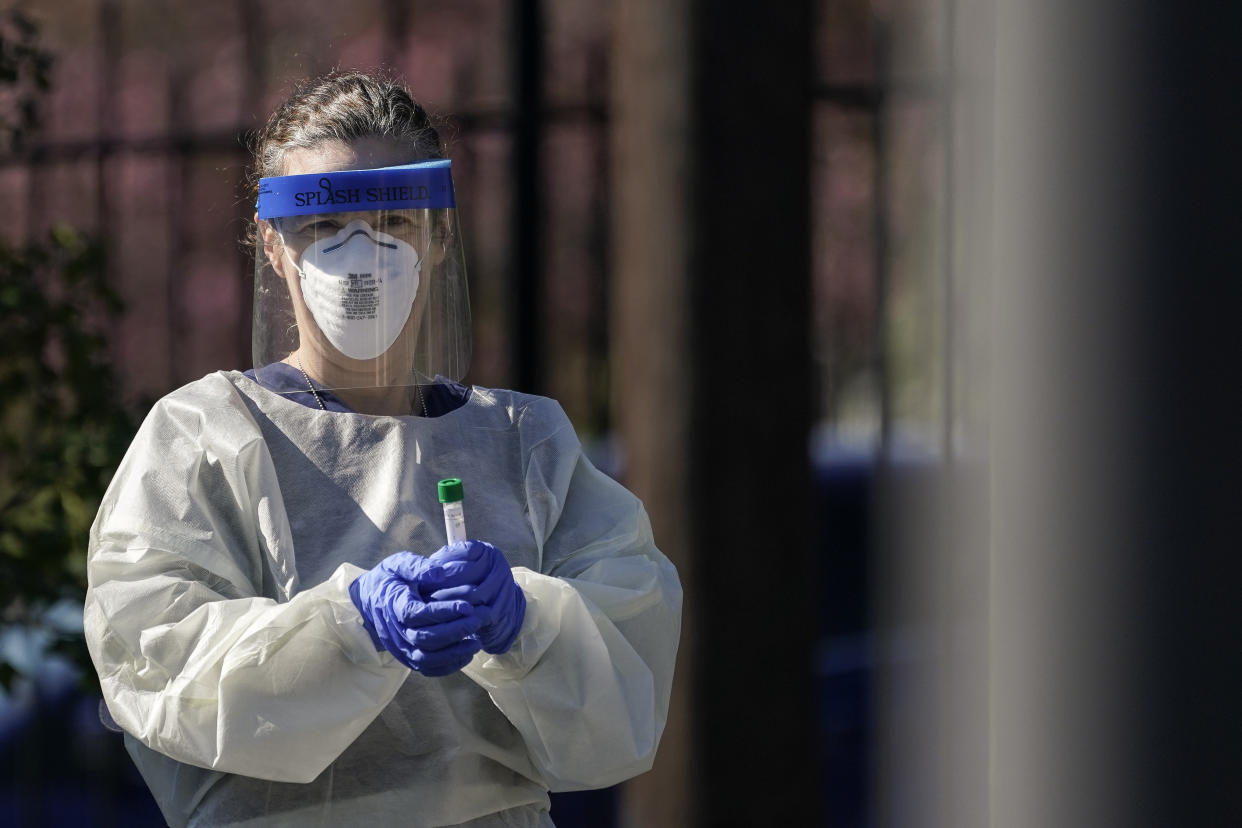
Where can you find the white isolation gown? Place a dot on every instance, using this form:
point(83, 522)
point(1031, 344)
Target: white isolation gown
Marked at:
point(219, 618)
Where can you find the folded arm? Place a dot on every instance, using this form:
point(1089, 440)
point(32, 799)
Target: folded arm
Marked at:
point(193, 660)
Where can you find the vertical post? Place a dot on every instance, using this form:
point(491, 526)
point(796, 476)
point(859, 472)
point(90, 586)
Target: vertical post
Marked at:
point(109, 22)
point(710, 347)
point(948, 133)
point(1116, 668)
point(396, 25)
point(751, 408)
point(1189, 574)
point(1065, 738)
point(649, 341)
point(177, 322)
point(710, 312)
point(882, 361)
point(253, 24)
point(526, 205)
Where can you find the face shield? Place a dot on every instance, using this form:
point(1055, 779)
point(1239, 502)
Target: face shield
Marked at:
point(359, 278)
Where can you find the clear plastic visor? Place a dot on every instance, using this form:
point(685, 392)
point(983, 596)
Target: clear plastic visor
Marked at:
point(360, 299)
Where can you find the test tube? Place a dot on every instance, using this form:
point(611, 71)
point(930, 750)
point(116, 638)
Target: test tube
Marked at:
point(454, 518)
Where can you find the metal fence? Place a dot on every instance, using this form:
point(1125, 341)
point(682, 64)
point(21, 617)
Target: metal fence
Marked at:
point(146, 146)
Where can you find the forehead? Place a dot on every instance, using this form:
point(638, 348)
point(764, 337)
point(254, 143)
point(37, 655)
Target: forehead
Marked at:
point(333, 156)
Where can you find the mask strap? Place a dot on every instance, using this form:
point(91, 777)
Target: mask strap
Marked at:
point(284, 251)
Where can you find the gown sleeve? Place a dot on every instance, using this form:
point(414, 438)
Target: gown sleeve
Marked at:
point(201, 653)
point(587, 681)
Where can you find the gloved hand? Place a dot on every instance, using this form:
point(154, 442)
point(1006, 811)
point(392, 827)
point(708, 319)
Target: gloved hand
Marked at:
point(477, 572)
point(431, 636)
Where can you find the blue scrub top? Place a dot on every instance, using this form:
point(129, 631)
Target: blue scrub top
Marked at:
point(440, 397)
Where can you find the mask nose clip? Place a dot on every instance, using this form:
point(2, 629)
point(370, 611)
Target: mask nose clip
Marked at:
point(361, 228)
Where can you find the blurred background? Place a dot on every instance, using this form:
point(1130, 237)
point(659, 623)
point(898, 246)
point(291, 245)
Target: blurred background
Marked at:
point(909, 320)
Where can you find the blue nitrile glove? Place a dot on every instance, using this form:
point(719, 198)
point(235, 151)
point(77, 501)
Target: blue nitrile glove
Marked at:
point(430, 636)
point(477, 572)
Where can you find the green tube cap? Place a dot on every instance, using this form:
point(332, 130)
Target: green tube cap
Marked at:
point(450, 490)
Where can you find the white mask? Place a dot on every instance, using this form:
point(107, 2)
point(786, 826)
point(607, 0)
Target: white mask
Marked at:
point(360, 285)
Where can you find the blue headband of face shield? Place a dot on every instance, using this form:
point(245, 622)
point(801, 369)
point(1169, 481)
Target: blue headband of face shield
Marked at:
point(427, 184)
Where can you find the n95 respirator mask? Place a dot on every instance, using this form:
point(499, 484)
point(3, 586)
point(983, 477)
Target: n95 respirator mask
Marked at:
point(359, 285)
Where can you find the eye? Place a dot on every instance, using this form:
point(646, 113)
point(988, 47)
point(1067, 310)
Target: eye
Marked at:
point(320, 227)
point(396, 222)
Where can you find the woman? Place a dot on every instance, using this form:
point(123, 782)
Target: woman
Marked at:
point(277, 621)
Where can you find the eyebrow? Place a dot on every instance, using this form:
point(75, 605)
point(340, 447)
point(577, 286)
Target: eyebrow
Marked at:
point(406, 211)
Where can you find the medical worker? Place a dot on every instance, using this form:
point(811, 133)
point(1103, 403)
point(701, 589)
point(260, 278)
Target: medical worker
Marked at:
point(278, 623)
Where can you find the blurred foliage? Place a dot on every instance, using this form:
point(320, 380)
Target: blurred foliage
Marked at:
point(63, 423)
point(25, 75)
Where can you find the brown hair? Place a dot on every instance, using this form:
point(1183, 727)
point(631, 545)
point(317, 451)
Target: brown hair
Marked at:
point(343, 106)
